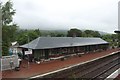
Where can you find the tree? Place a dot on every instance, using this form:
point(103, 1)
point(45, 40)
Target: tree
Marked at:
point(60, 35)
point(74, 33)
point(37, 31)
point(84, 34)
point(7, 13)
point(91, 33)
point(32, 34)
point(21, 38)
point(0, 31)
point(52, 34)
point(8, 28)
point(108, 38)
point(118, 40)
point(96, 34)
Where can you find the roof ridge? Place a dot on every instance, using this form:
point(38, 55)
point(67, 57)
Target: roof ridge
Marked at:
point(37, 42)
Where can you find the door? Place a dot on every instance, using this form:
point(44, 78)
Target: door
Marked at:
point(46, 54)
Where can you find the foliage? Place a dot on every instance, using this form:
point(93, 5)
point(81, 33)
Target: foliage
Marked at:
point(56, 34)
point(74, 33)
point(11, 32)
point(118, 40)
point(8, 28)
point(86, 33)
point(91, 33)
point(60, 35)
point(23, 35)
point(7, 13)
point(111, 38)
point(53, 33)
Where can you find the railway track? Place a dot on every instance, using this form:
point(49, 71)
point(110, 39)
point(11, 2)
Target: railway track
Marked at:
point(103, 71)
point(92, 67)
point(94, 70)
point(98, 69)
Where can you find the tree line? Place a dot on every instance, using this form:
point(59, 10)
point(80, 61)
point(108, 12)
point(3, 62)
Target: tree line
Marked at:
point(11, 31)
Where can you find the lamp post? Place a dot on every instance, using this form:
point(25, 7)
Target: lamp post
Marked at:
point(118, 31)
point(28, 50)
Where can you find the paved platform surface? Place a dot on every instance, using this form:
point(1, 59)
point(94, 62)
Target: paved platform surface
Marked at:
point(36, 69)
point(118, 77)
point(0, 75)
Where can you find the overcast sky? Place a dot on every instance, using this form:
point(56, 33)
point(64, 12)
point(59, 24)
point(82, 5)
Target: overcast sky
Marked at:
point(99, 15)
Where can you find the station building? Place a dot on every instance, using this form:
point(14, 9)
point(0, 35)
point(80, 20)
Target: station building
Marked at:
point(46, 47)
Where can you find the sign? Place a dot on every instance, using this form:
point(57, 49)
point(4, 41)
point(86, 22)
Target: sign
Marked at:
point(28, 52)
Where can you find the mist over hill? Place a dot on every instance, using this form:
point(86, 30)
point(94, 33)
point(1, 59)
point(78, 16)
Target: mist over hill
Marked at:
point(65, 31)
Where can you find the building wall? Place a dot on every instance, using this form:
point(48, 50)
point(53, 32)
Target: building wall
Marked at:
point(47, 53)
point(39, 54)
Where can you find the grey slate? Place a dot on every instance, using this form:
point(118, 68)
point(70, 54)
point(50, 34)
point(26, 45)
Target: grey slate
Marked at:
point(56, 42)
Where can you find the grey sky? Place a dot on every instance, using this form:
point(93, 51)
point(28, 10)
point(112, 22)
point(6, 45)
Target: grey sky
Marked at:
point(99, 15)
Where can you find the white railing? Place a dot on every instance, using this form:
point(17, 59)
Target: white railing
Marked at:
point(7, 60)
